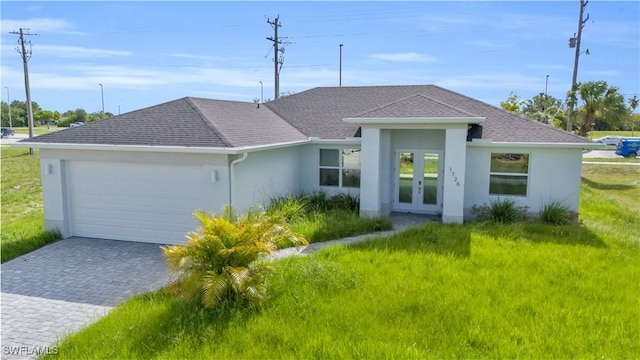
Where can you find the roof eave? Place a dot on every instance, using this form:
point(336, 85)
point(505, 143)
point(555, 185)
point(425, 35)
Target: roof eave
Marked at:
point(489, 143)
point(156, 148)
point(417, 120)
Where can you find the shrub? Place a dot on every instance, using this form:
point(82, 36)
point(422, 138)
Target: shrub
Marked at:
point(555, 213)
point(288, 208)
point(219, 262)
point(345, 201)
point(503, 211)
point(317, 201)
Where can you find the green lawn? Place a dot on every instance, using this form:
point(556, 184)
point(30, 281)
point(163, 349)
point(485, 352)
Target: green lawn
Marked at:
point(478, 290)
point(37, 130)
point(598, 134)
point(22, 212)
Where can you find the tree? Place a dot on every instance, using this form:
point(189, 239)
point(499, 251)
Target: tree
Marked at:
point(633, 104)
point(599, 101)
point(79, 115)
point(542, 107)
point(512, 104)
point(46, 116)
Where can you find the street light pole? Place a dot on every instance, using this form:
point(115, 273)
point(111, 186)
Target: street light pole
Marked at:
point(9, 104)
point(546, 85)
point(261, 92)
point(102, 95)
point(340, 81)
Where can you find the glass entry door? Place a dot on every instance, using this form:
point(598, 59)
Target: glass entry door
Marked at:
point(418, 181)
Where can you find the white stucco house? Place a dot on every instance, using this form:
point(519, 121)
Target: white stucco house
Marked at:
point(140, 176)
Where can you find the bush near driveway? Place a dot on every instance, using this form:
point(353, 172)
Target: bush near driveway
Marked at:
point(220, 262)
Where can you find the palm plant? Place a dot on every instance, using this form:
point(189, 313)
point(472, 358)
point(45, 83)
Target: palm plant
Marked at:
point(599, 101)
point(221, 261)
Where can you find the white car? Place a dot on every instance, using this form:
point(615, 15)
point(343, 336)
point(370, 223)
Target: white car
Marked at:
point(608, 140)
point(76, 124)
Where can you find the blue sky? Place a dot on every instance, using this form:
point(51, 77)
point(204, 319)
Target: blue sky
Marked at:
point(146, 53)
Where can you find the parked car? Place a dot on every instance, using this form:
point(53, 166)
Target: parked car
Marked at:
point(629, 147)
point(7, 132)
point(609, 140)
point(79, 123)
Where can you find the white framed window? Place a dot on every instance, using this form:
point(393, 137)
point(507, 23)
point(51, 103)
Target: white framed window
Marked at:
point(340, 168)
point(509, 174)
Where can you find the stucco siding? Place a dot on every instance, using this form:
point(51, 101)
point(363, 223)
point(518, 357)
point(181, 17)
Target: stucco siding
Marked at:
point(418, 139)
point(554, 175)
point(264, 175)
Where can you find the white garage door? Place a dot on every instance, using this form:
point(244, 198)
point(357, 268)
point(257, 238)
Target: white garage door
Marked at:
point(137, 202)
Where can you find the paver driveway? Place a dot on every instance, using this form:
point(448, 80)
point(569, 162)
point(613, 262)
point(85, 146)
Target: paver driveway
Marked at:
point(64, 286)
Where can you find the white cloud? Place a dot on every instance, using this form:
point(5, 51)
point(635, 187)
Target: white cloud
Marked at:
point(75, 52)
point(604, 72)
point(39, 25)
point(404, 57)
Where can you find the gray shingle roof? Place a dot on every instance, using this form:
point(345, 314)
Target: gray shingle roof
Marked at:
point(318, 112)
point(415, 106)
point(190, 122)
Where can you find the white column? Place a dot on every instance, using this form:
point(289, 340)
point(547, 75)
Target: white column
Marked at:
point(370, 173)
point(454, 174)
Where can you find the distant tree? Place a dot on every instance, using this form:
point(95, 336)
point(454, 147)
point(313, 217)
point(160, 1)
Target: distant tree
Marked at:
point(78, 115)
point(46, 117)
point(18, 113)
point(633, 105)
point(599, 102)
point(512, 104)
point(543, 108)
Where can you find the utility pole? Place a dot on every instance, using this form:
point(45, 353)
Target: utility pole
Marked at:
point(9, 104)
point(277, 58)
point(575, 42)
point(26, 55)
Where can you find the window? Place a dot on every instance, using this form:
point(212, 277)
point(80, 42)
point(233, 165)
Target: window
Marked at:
point(509, 174)
point(340, 168)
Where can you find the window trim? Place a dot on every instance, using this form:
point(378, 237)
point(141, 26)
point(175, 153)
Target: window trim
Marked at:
point(526, 175)
point(341, 168)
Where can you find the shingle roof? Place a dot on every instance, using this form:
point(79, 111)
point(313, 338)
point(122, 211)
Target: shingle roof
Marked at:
point(190, 122)
point(318, 112)
point(415, 106)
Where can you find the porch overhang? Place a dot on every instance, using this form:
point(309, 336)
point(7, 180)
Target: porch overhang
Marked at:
point(400, 122)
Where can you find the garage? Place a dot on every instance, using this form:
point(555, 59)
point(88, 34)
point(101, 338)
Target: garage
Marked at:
point(137, 202)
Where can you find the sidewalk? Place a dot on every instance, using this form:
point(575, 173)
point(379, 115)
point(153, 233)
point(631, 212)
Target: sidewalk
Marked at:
point(399, 221)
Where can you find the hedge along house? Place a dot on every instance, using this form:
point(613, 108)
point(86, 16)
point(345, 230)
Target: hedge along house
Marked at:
point(422, 149)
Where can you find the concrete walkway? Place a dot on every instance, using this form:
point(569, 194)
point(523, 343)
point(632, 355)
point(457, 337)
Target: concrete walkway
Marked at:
point(62, 287)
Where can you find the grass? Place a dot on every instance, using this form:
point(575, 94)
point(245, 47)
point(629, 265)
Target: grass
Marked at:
point(320, 218)
point(620, 183)
point(22, 213)
point(478, 290)
point(613, 160)
point(599, 134)
point(37, 130)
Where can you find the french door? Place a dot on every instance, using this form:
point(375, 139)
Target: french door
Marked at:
point(418, 181)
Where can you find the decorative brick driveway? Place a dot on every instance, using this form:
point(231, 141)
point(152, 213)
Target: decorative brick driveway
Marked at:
point(66, 285)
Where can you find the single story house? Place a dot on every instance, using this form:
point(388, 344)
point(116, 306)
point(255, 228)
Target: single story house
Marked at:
point(421, 148)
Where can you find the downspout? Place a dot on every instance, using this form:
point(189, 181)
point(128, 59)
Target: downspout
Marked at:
point(232, 175)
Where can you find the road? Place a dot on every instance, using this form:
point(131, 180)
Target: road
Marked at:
point(12, 139)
